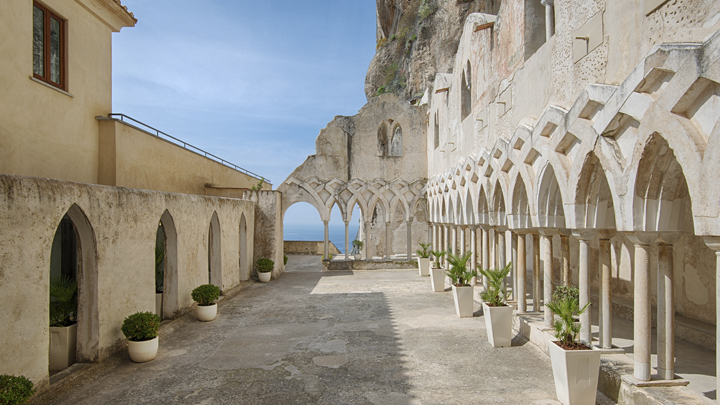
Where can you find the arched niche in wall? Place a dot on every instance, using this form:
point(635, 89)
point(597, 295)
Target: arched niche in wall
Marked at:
point(214, 253)
point(396, 146)
point(382, 140)
point(166, 270)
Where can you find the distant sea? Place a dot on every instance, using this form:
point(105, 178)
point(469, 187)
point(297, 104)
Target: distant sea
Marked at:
point(336, 233)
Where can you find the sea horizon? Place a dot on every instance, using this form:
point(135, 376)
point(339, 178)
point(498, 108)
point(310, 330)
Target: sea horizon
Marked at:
point(312, 232)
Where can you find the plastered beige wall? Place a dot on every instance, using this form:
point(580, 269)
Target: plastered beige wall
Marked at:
point(39, 123)
point(124, 224)
point(133, 158)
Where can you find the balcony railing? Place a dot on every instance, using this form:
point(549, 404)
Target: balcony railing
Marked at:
point(160, 134)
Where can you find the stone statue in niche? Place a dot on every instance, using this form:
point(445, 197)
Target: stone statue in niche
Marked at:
point(396, 146)
point(382, 140)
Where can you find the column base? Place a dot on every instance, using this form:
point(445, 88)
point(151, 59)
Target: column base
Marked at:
point(678, 382)
point(642, 371)
point(665, 374)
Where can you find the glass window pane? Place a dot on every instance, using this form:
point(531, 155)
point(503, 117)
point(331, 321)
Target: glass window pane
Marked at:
point(38, 38)
point(55, 50)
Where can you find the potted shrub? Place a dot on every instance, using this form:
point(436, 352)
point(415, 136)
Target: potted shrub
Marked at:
point(462, 290)
point(498, 314)
point(437, 273)
point(141, 330)
point(15, 390)
point(265, 268)
point(424, 259)
point(357, 246)
point(205, 296)
point(575, 366)
point(63, 328)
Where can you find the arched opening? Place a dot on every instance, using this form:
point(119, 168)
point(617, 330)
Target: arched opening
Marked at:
point(159, 269)
point(382, 140)
point(244, 259)
point(356, 220)
point(469, 214)
point(436, 130)
point(168, 272)
point(73, 303)
point(550, 203)
point(377, 234)
point(215, 253)
point(466, 92)
point(398, 232)
point(520, 207)
point(483, 211)
point(593, 201)
point(303, 236)
point(498, 213)
point(396, 146)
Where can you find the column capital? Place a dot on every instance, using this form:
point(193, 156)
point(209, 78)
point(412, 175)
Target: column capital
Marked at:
point(547, 2)
point(523, 231)
point(548, 231)
point(669, 238)
point(585, 234)
point(642, 238)
point(501, 228)
point(713, 242)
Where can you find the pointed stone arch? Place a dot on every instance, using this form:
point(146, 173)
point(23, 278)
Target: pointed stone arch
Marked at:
point(520, 208)
point(483, 207)
point(551, 213)
point(171, 298)
point(498, 217)
point(594, 205)
point(215, 252)
point(396, 144)
point(382, 140)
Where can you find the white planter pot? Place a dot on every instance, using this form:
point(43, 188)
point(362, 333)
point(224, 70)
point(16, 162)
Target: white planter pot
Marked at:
point(437, 279)
point(206, 313)
point(463, 301)
point(62, 346)
point(424, 266)
point(357, 257)
point(158, 304)
point(576, 374)
point(498, 322)
point(141, 352)
point(265, 277)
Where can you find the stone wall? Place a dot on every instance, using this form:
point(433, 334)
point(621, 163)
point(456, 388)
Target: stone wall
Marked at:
point(117, 230)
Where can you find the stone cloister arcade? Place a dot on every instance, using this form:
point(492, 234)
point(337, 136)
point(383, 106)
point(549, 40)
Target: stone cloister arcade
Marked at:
point(379, 201)
point(617, 195)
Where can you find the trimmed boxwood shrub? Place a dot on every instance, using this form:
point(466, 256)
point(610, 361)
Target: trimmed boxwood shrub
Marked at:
point(141, 326)
point(265, 265)
point(206, 294)
point(15, 390)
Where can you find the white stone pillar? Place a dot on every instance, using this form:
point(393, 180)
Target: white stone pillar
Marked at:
point(565, 265)
point(347, 240)
point(549, 18)
point(473, 251)
point(521, 273)
point(492, 248)
point(514, 261)
point(409, 240)
point(666, 307)
point(327, 240)
point(641, 307)
point(546, 264)
point(367, 241)
point(435, 241)
point(453, 240)
point(446, 244)
point(585, 237)
point(461, 231)
point(485, 253)
point(537, 291)
point(387, 240)
point(606, 311)
point(713, 243)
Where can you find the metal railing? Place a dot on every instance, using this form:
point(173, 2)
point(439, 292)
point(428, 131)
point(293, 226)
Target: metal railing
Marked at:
point(184, 144)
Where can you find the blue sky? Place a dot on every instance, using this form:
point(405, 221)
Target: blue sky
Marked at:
point(252, 82)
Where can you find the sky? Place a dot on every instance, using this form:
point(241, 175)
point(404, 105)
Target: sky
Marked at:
point(252, 82)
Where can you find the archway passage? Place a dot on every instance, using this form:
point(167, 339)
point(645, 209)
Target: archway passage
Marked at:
point(167, 270)
point(303, 236)
point(74, 259)
point(159, 268)
point(214, 253)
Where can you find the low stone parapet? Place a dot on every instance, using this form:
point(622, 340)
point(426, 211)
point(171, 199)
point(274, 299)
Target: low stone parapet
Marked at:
point(346, 265)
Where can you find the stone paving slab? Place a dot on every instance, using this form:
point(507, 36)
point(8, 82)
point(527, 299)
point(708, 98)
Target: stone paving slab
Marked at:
point(380, 337)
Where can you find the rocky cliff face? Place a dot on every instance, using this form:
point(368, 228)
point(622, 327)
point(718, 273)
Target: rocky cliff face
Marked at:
point(415, 40)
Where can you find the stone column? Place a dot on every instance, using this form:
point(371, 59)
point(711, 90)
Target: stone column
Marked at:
point(585, 237)
point(387, 240)
point(565, 253)
point(326, 241)
point(546, 263)
point(549, 18)
point(409, 240)
point(367, 241)
point(605, 290)
point(446, 245)
point(666, 307)
point(521, 273)
point(536, 273)
point(492, 247)
point(641, 307)
point(485, 253)
point(347, 240)
point(435, 242)
point(473, 250)
point(713, 243)
point(461, 231)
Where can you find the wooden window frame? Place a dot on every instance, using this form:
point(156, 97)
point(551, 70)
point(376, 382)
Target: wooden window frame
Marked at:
point(47, 15)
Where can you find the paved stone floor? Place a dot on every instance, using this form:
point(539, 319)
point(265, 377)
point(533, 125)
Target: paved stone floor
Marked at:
point(368, 337)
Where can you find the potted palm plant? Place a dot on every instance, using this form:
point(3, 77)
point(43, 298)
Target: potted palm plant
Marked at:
point(575, 366)
point(424, 259)
point(63, 328)
point(141, 330)
point(462, 290)
point(357, 247)
point(265, 268)
point(437, 273)
point(205, 296)
point(498, 314)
